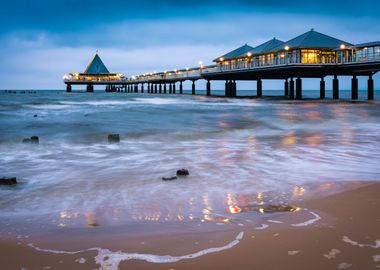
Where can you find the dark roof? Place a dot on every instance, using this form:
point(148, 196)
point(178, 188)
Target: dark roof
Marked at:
point(267, 46)
point(368, 44)
point(313, 39)
point(96, 66)
point(235, 53)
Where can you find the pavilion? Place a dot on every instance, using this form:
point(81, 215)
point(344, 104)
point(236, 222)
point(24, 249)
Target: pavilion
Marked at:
point(96, 73)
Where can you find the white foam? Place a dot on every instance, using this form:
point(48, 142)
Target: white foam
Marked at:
point(262, 227)
point(274, 221)
point(308, 222)
point(110, 260)
point(344, 265)
point(354, 243)
point(80, 260)
point(376, 258)
point(293, 252)
point(332, 254)
point(48, 106)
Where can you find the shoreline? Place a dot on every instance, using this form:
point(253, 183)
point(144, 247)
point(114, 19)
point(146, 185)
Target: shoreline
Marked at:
point(347, 220)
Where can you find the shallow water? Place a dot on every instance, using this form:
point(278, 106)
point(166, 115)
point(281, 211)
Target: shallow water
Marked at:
point(244, 155)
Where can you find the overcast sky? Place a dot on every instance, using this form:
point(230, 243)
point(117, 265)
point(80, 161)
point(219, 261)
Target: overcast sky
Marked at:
point(43, 40)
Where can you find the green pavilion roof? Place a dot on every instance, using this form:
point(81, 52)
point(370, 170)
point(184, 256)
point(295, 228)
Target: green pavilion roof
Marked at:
point(267, 46)
point(313, 40)
point(368, 44)
point(235, 53)
point(96, 66)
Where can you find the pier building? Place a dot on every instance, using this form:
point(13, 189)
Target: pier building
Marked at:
point(309, 55)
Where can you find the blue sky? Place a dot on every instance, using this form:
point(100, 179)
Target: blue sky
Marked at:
point(42, 40)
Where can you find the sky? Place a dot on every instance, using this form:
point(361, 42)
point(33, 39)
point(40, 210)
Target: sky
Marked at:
point(42, 40)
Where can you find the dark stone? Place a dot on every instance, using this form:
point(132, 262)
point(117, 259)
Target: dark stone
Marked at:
point(169, 178)
point(8, 181)
point(26, 140)
point(183, 172)
point(34, 139)
point(113, 138)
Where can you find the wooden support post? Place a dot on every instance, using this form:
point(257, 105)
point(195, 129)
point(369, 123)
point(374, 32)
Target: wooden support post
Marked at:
point(90, 88)
point(160, 89)
point(335, 87)
point(298, 88)
point(370, 88)
point(354, 88)
point(234, 89)
point(291, 88)
point(174, 88)
point(142, 88)
point(180, 88)
point(170, 88)
point(208, 88)
point(164, 88)
point(68, 88)
point(193, 88)
point(286, 88)
point(322, 89)
point(259, 88)
point(226, 89)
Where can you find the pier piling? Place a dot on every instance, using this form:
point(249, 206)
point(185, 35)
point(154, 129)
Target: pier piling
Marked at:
point(298, 88)
point(68, 88)
point(259, 88)
point(286, 88)
point(322, 88)
point(291, 88)
point(335, 82)
point(208, 88)
point(180, 88)
point(193, 88)
point(370, 88)
point(354, 87)
point(174, 88)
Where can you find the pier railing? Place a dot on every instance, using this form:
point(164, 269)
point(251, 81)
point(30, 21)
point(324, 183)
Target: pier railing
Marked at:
point(196, 73)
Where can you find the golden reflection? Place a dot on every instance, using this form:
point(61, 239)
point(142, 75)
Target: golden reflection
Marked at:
point(299, 191)
point(313, 115)
point(314, 139)
point(289, 139)
point(90, 219)
point(240, 203)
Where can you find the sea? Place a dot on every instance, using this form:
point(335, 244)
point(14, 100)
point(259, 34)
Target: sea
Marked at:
point(246, 156)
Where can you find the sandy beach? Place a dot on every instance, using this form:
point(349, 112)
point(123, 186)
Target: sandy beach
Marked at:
point(345, 237)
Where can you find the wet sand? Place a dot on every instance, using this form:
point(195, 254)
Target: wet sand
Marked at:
point(344, 238)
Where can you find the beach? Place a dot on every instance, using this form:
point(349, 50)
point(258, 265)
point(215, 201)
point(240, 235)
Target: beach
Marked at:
point(273, 184)
point(346, 237)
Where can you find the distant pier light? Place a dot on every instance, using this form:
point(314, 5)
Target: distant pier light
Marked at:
point(287, 48)
point(342, 47)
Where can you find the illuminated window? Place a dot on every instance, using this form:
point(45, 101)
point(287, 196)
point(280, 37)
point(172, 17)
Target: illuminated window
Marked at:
point(310, 56)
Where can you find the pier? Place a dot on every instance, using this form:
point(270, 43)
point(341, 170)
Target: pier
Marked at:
point(310, 55)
